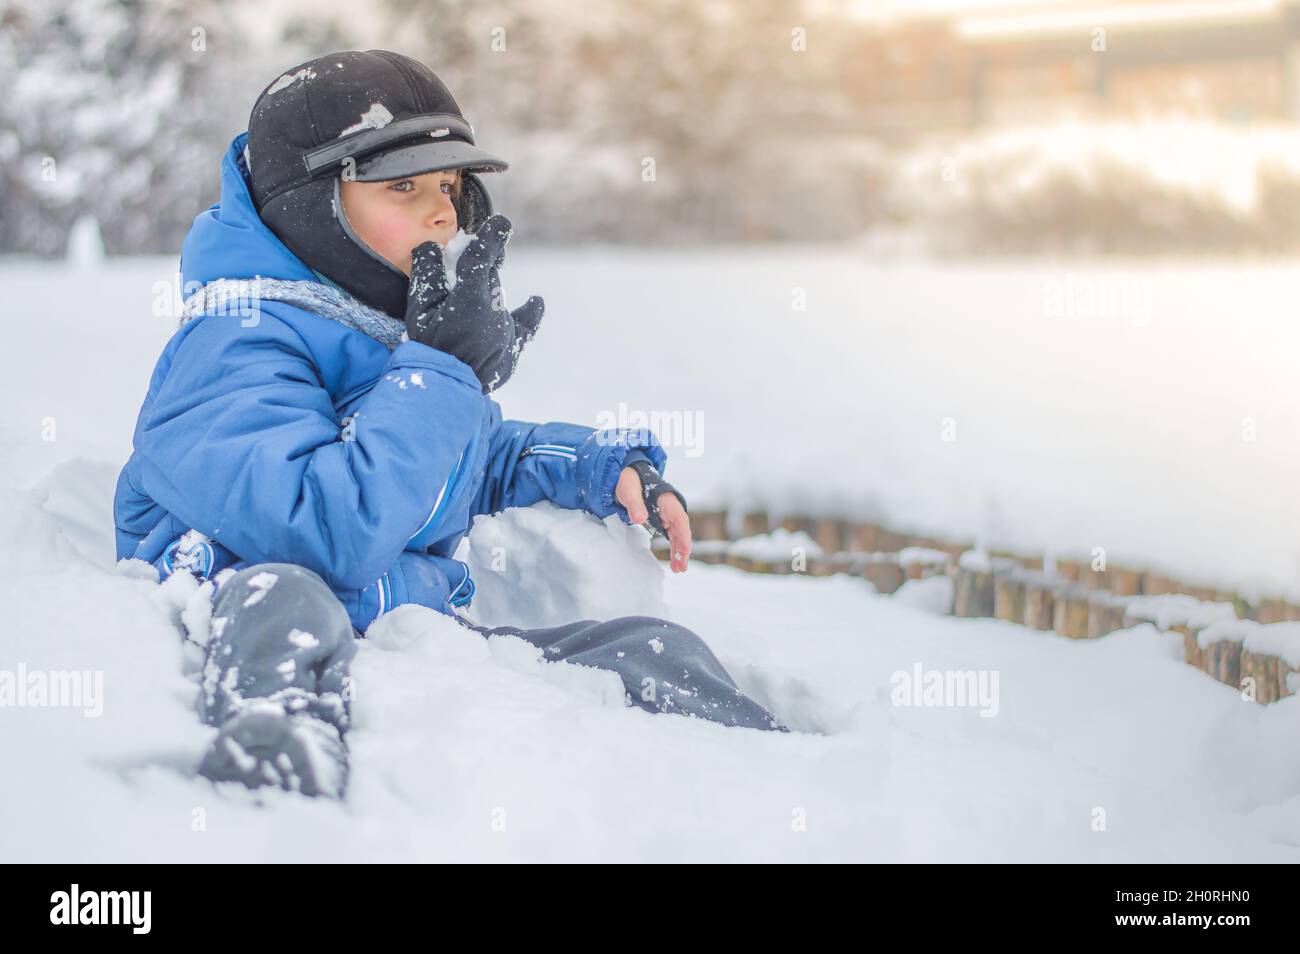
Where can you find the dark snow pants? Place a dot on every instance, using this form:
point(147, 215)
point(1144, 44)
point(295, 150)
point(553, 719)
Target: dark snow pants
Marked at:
point(664, 666)
point(279, 633)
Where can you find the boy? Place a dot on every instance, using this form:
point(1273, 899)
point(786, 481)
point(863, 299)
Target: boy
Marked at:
point(321, 455)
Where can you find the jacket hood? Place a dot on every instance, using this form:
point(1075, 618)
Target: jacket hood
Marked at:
point(230, 240)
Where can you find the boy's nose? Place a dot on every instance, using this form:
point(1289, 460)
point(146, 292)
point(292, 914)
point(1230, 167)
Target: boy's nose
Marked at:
point(443, 213)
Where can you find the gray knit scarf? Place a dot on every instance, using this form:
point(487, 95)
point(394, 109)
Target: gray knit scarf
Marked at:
point(242, 296)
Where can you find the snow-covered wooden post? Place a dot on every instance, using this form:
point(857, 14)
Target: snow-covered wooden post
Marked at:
point(1223, 661)
point(797, 524)
point(1105, 614)
point(1253, 657)
point(860, 537)
point(1071, 611)
point(1009, 597)
point(1285, 672)
point(873, 538)
point(1034, 563)
point(975, 591)
point(1263, 670)
point(919, 563)
point(755, 523)
point(708, 525)
point(1193, 655)
point(1081, 572)
point(828, 532)
point(951, 548)
point(1040, 600)
point(821, 565)
point(1157, 584)
point(882, 571)
point(1125, 581)
point(1277, 611)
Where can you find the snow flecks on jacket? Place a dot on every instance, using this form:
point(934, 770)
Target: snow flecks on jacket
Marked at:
point(414, 378)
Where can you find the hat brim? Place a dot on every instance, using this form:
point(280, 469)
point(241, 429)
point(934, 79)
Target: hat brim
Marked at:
point(418, 158)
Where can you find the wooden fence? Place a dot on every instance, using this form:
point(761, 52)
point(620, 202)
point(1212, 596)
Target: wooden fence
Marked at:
point(1224, 635)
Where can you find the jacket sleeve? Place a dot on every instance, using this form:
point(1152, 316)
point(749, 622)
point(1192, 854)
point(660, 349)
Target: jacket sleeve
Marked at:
point(242, 442)
point(570, 465)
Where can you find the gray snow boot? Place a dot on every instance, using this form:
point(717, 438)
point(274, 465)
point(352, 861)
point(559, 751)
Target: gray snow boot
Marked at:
point(276, 681)
point(264, 746)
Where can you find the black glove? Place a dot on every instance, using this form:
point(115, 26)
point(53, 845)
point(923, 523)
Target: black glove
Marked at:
point(471, 322)
point(652, 488)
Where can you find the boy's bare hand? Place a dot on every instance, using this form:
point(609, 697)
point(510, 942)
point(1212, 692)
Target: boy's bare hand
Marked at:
point(677, 523)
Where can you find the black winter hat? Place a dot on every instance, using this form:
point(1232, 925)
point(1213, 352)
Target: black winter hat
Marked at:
point(369, 116)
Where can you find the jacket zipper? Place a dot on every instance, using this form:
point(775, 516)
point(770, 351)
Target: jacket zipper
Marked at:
point(550, 450)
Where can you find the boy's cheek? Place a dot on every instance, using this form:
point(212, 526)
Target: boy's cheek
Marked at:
point(396, 239)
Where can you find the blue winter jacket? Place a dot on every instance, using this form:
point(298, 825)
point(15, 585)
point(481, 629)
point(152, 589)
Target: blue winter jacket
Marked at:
point(293, 436)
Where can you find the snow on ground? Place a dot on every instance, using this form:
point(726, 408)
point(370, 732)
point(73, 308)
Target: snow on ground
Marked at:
point(472, 749)
point(515, 561)
point(1117, 433)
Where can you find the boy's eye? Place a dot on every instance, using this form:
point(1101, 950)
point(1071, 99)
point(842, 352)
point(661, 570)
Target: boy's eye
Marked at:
point(408, 185)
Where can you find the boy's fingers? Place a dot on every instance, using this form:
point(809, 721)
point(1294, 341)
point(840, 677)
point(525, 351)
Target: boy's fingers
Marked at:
point(528, 316)
point(498, 225)
point(502, 229)
point(500, 258)
point(476, 262)
point(677, 524)
point(628, 492)
point(497, 231)
point(428, 274)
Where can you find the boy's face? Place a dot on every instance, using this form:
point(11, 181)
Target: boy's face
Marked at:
point(396, 215)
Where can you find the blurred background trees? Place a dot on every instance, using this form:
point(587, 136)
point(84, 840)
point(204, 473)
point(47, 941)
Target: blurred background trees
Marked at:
point(958, 129)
